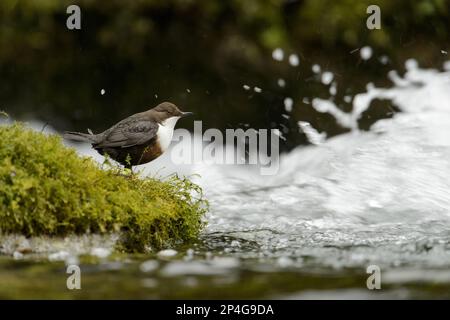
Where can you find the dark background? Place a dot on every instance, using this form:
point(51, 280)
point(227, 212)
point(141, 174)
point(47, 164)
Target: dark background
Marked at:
point(199, 54)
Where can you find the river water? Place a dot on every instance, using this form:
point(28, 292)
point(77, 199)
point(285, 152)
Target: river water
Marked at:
point(379, 197)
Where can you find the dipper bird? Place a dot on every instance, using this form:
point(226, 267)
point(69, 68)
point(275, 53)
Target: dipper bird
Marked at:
point(138, 139)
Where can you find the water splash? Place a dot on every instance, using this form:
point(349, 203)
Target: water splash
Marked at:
point(380, 196)
point(313, 136)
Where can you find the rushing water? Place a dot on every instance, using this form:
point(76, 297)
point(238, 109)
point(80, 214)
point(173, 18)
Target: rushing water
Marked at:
point(378, 197)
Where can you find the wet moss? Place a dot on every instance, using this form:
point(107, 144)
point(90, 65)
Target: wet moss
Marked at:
point(47, 189)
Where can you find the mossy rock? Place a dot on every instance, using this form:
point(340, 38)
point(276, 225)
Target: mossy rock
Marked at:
point(47, 189)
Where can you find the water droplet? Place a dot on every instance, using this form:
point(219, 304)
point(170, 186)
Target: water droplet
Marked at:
point(288, 103)
point(348, 99)
point(316, 68)
point(293, 60)
point(384, 59)
point(366, 53)
point(327, 77)
point(333, 89)
point(278, 54)
point(411, 64)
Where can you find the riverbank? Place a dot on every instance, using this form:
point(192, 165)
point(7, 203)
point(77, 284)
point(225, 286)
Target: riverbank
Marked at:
point(46, 189)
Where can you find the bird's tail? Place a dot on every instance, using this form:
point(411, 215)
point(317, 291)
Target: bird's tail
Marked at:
point(78, 136)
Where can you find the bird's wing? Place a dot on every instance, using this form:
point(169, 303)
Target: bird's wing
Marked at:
point(127, 133)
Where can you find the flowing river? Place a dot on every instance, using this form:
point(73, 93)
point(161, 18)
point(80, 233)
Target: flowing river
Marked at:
point(365, 198)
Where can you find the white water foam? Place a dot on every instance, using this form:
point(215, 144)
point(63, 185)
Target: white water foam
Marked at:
point(387, 189)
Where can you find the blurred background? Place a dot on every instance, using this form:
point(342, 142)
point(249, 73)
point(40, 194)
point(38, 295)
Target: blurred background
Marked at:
point(207, 57)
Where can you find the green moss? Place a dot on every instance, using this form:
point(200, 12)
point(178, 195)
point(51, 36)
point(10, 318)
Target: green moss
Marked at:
point(47, 189)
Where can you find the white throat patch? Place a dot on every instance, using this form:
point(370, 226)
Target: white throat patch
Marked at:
point(165, 132)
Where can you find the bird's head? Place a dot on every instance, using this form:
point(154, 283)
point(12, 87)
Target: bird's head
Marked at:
point(167, 113)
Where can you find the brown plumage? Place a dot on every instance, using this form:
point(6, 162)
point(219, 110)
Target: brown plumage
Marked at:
point(137, 139)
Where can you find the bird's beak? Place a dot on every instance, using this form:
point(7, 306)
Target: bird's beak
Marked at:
point(185, 114)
